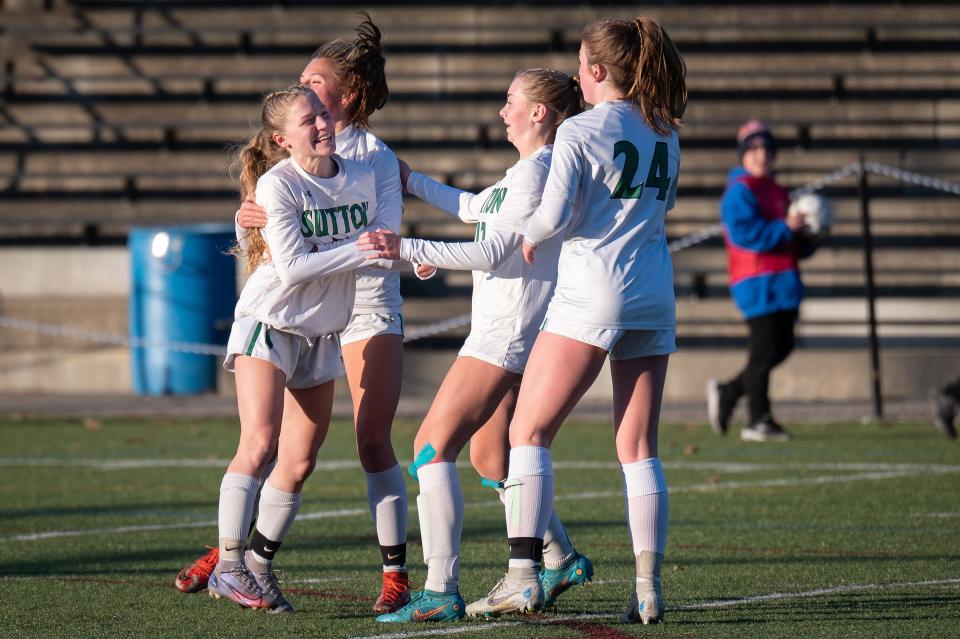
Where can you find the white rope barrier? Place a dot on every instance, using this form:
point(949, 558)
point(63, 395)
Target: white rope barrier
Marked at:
point(459, 321)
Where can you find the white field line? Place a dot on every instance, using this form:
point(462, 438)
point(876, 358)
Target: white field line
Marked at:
point(348, 464)
point(722, 603)
point(353, 512)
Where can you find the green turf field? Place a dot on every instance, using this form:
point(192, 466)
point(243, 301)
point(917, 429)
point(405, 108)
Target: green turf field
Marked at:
point(849, 531)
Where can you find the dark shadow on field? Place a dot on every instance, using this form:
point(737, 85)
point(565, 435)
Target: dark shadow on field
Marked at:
point(160, 508)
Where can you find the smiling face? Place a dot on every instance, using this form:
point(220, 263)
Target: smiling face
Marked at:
point(307, 130)
point(320, 77)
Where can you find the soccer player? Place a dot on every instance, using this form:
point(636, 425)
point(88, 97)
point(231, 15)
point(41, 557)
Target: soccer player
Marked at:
point(477, 395)
point(350, 80)
point(612, 180)
point(283, 346)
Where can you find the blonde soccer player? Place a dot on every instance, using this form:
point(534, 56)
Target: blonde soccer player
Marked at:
point(349, 77)
point(283, 346)
point(612, 180)
point(477, 395)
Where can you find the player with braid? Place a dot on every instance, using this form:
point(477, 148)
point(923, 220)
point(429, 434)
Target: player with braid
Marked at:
point(477, 395)
point(283, 346)
point(612, 180)
point(349, 77)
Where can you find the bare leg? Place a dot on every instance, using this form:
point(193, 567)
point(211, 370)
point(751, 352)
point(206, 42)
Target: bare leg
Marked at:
point(638, 392)
point(374, 373)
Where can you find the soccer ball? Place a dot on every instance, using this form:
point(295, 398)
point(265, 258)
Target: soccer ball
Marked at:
point(816, 212)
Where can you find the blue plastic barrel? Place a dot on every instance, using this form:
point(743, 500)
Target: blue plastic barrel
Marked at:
point(184, 290)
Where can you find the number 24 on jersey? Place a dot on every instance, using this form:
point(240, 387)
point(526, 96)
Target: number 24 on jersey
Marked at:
point(657, 177)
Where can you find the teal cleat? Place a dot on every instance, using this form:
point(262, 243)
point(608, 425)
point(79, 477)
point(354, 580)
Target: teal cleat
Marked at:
point(556, 582)
point(428, 606)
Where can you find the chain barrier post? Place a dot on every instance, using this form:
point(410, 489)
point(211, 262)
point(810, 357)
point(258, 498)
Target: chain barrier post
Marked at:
point(870, 292)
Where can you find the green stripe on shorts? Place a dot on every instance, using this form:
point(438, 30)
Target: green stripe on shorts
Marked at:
point(253, 339)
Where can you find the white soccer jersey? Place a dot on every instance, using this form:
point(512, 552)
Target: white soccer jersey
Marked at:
point(509, 295)
point(312, 223)
point(611, 183)
point(378, 290)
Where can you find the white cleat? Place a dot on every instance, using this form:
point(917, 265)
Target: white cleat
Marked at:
point(509, 595)
point(646, 611)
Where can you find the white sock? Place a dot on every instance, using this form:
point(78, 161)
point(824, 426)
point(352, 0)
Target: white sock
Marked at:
point(647, 505)
point(529, 497)
point(558, 550)
point(387, 498)
point(440, 506)
point(278, 509)
point(263, 479)
point(237, 494)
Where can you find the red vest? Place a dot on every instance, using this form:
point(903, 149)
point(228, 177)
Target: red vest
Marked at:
point(742, 263)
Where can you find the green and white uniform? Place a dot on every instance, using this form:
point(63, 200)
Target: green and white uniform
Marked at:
point(509, 296)
point(292, 304)
point(611, 183)
point(378, 305)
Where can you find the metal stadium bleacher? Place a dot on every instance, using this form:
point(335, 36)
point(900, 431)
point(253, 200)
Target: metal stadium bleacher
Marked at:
point(117, 114)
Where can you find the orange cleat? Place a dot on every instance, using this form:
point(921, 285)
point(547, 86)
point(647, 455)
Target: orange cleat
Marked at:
point(395, 593)
point(194, 577)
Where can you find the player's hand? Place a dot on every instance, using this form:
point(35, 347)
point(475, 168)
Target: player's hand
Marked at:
point(404, 173)
point(795, 221)
point(251, 215)
point(384, 243)
point(425, 271)
point(528, 251)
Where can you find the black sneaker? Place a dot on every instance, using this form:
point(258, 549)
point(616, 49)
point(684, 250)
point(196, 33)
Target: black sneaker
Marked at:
point(944, 413)
point(720, 406)
point(765, 430)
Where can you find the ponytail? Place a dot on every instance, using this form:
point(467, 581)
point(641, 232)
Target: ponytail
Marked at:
point(258, 156)
point(361, 70)
point(644, 63)
point(557, 91)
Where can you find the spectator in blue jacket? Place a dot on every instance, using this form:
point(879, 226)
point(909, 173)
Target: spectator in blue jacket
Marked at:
point(763, 251)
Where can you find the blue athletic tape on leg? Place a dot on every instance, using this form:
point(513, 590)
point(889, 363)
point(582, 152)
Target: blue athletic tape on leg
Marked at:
point(490, 483)
point(424, 457)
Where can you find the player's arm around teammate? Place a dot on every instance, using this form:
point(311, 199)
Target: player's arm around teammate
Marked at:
point(612, 180)
point(349, 77)
point(476, 396)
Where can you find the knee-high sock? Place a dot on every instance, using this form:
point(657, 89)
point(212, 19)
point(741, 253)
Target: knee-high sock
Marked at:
point(647, 505)
point(529, 503)
point(256, 502)
point(237, 494)
point(387, 498)
point(278, 509)
point(558, 550)
point(440, 507)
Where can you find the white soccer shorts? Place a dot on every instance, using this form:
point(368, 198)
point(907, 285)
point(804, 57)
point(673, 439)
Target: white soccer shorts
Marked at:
point(304, 365)
point(366, 325)
point(621, 343)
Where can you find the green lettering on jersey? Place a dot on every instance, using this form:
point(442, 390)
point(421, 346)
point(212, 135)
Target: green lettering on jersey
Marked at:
point(306, 226)
point(333, 221)
point(494, 201)
point(320, 223)
point(625, 190)
point(481, 233)
point(358, 215)
point(657, 175)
